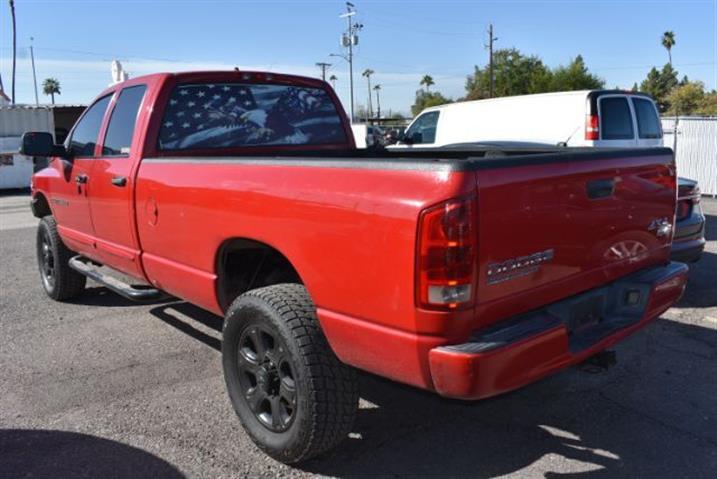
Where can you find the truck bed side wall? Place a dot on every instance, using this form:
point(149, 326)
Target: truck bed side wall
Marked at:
point(349, 232)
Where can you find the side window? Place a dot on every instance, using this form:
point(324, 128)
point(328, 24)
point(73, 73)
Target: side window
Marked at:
point(124, 116)
point(84, 136)
point(423, 130)
point(648, 124)
point(615, 119)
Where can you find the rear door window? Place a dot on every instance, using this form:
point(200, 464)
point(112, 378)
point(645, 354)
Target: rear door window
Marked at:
point(616, 119)
point(423, 130)
point(84, 136)
point(120, 130)
point(229, 115)
point(648, 124)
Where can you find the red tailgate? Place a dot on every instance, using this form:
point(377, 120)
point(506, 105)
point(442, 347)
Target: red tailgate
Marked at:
point(550, 230)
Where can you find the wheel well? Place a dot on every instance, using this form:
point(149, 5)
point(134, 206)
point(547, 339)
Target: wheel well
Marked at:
point(244, 264)
point(40, 206)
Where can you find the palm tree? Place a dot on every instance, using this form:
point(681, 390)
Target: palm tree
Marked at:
point(377, 89)
point(14, 47)
point(51, 86)
point(427, 80)
point(668, 41)
point(333, 79)
point(367, 73)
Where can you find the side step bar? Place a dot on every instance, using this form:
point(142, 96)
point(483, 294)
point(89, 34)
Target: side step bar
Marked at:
point(133, 293)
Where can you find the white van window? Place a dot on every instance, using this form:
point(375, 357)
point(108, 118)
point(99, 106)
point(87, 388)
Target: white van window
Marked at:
point(648, 125)
point(615, 119)
point(423, 130)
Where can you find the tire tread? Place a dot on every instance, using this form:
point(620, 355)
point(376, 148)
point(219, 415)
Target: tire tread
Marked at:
point(332, 385)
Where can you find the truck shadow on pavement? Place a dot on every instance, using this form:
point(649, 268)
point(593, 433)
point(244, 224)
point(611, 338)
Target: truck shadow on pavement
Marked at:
point(653, 415)
point(45, 453)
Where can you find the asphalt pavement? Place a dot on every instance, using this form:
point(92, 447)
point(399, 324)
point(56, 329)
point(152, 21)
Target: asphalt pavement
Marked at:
point(102, 387)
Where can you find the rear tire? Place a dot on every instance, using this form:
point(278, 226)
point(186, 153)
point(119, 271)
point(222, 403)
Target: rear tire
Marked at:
point(59, 280)
point(294, 397)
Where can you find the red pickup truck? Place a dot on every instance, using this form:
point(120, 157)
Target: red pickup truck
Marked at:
point(466, 272)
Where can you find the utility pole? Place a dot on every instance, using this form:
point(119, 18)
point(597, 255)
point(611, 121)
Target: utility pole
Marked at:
point(34, 77)
point(348, 40)
point(14, 47)
point(324, 66)
point(491, 39)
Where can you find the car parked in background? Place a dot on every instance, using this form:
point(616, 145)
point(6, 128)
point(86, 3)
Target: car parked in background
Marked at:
point(689, 239)
point(367, 136)
point(601, 118)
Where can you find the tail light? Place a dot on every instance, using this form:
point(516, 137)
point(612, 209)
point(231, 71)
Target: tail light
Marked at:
point(592, 128)
point(447, 250)
point(683, 209)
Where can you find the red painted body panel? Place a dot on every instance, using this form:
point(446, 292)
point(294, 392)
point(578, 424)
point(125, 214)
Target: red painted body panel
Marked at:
point(350, 231)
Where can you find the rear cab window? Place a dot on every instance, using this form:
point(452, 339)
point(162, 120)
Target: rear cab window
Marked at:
point(648, 123)
point(232, 115)
point(120, 129)
point(423, 129)
point(615, 118)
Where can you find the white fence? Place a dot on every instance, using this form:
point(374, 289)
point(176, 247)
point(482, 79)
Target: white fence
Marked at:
point(695, 146)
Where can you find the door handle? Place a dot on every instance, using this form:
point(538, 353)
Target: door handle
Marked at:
point(81, 179)
point(600, 188)
point(119, 180)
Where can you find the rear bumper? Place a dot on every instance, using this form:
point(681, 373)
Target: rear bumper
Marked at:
point(532, 346)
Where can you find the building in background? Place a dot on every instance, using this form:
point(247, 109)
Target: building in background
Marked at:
point(695, 146)
point(16, 169)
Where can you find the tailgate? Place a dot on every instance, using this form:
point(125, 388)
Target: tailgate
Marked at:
point(556, 226)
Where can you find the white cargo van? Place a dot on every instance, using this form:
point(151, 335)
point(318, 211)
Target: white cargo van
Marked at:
point(601, 118)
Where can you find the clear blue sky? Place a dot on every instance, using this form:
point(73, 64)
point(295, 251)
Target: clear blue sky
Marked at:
point(401, 40)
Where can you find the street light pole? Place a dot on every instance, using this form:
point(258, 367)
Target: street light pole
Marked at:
point(348, 41)
point(34, 77)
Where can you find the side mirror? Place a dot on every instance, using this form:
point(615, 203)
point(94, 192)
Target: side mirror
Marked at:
point(40, 143)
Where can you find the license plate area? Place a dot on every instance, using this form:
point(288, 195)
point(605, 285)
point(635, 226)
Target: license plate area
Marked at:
point(586, 313)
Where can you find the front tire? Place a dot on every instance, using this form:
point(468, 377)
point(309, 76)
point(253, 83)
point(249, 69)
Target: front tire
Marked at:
point(294, 397)
point(59, 280)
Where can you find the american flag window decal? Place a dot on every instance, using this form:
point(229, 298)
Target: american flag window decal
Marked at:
point(226, 115)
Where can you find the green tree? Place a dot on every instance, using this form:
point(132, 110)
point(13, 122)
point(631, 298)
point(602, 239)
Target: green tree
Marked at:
point(333, 79)
point(708, 105)
point(515, 74)
point(51, 86)
point(574, 76)
point(668, 41)
point(427, 81)
point(691, 99)
point(658, 84)
point(425, 99)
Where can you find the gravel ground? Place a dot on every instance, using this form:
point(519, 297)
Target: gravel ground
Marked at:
point(102, 387)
